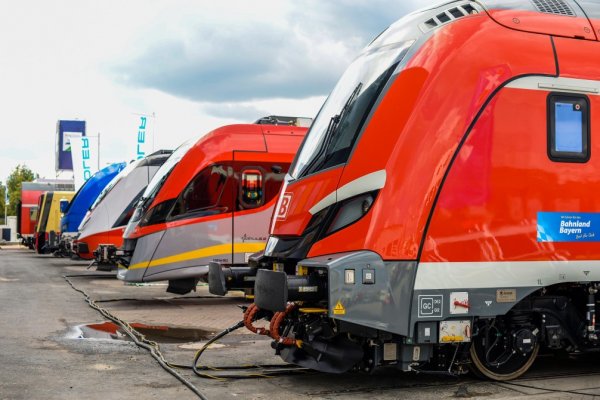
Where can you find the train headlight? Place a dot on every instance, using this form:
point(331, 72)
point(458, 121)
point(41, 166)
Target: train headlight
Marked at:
point(366, 205)
point(351, 210)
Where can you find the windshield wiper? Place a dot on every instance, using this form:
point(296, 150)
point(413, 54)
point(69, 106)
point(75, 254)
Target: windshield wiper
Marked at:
point(318, 160)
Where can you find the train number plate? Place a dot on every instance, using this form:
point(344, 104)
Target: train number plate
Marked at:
point(430, 306)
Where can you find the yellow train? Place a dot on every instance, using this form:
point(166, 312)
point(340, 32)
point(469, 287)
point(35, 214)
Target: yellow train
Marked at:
point(48, 222)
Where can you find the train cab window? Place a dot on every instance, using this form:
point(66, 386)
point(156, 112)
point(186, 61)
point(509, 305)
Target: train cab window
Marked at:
point(259, 184)
point(568, 128)
point(33, 213)
point(251, 188)
point(210, 192)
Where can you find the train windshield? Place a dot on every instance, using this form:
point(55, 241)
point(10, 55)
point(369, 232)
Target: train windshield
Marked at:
point(159, 179)
point(334, 131)
point(165, 170)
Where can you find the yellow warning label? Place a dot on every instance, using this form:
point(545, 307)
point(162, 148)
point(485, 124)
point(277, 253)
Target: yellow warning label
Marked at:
point(339, 309)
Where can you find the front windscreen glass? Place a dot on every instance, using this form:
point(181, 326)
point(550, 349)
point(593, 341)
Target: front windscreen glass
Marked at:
point(334, 131)
point(159, 179)
point(163, 172)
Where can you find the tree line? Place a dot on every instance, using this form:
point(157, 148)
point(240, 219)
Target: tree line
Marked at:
point(12, 190)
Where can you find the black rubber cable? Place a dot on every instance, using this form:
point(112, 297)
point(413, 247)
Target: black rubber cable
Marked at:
point(273, 369)
point(150, 346)
point(545, 390)
point(265, 370)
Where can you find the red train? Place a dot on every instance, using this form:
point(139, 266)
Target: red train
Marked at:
point(211, 201)
point(28, 209)
point(442, 211)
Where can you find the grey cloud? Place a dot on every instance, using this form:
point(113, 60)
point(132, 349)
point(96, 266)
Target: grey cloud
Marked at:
point(257, 61)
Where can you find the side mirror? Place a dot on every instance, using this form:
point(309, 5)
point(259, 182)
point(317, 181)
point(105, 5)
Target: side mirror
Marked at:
point(64, 205)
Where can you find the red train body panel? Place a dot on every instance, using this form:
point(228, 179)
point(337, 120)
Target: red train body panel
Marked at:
point(29, 207)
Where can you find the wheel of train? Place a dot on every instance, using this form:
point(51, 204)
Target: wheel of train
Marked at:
point(502, 350)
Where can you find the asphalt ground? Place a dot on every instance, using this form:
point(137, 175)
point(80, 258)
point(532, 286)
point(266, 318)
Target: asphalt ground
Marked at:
point(42, 354)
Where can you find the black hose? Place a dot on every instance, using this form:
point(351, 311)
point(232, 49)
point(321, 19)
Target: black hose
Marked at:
point(265, 370)
point(546, 390)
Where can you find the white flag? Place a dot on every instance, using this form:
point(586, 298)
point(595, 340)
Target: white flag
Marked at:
point(84, 151)
point(144, 141)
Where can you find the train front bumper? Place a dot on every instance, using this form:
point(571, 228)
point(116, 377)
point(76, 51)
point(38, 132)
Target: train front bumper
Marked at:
point(355, 287)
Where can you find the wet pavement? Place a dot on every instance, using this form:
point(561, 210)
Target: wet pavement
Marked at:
point(54, 346)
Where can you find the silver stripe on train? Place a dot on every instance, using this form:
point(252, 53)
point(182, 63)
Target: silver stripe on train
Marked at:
point(466, 275)
point(367, 183)
point(546, 83)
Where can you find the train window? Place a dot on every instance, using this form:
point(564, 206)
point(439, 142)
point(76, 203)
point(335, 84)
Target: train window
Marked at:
point(210, 192)
point(33, 213)
point(258, 184)
point(251, 188)
point(157, 214)
point(274, 180)
point(568, 128)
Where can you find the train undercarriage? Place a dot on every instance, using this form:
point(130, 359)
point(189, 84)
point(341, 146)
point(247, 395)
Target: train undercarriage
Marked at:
point(306, 331)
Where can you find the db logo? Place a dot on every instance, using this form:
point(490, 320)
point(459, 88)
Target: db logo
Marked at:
point(284, 206)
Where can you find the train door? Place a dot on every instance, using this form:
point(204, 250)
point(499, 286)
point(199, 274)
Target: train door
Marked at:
point(40, 234)
point(19, 217)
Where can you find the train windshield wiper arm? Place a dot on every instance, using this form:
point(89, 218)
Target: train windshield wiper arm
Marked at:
point(322, 157)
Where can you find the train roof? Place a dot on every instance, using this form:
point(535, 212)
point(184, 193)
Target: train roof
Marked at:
point(568, 18)
point(219, 144)
point(47, 186)
point(154, 159)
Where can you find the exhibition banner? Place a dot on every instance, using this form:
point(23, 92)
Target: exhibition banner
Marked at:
point(65, 130)
point(144, 140)
point(85, 157)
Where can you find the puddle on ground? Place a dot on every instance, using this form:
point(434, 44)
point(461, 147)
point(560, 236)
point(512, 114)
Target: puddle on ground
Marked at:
point(199, 345)
point(158, 333)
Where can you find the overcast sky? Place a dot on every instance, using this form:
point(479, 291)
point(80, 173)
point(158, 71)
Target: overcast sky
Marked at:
point(196, 64)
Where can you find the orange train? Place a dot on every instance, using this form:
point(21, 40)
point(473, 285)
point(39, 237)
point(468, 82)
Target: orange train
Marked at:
point(442, 212)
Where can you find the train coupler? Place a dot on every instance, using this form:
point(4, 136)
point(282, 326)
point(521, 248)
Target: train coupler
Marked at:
point(105, 257)
point(223, 279)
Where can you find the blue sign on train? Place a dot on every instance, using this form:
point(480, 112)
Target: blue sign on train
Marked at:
point(568, 227)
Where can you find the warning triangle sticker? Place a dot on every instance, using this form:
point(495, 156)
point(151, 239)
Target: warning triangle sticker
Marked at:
point(339, 309)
